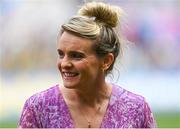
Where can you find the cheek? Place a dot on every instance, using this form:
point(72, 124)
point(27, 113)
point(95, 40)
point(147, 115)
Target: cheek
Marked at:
point(58, 64)
point(81, 66)
point(89, 66)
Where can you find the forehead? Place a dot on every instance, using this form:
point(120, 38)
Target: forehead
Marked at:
point(69, 41)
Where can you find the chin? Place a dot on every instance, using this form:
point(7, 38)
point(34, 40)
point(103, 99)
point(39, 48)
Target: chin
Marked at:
point(69, 86)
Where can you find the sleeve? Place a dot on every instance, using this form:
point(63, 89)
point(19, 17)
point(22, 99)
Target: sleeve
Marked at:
point(149, 121)
point(28, 118)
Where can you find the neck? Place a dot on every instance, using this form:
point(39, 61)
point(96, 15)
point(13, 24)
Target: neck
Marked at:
point(93, 94)
point(89, 95)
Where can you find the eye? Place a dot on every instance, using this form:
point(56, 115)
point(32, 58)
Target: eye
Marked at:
point(77, 55)
point(60, 53)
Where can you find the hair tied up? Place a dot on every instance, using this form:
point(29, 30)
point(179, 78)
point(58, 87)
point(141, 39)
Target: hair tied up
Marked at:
point(102, 13)
point(93, 18)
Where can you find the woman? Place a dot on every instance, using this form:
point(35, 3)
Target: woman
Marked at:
point(87, 47)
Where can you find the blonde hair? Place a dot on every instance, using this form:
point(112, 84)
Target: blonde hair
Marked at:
point(99, 22)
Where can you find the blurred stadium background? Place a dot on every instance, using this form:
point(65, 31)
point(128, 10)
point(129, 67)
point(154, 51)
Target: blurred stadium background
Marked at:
point(150, 66)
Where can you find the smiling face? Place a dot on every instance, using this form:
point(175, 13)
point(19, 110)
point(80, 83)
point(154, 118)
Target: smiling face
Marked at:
point(77, 62)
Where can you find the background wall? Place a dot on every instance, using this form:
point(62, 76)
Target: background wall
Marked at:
point(150, 65)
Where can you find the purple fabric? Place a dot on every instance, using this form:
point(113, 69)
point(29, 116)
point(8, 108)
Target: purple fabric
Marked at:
point(48, 109)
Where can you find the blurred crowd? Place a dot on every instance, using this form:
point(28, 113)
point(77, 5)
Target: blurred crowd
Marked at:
point(29, 31)
point(155, 29)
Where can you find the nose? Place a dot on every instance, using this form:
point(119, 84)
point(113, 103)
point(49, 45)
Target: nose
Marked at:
point(65, 62)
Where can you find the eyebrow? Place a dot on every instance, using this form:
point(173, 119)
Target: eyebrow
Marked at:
point(59, 50)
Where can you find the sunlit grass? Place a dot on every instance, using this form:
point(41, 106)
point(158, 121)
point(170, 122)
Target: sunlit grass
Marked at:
point(168, 120)
point(8, 124)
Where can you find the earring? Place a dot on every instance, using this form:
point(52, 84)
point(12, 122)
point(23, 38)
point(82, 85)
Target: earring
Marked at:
point(104, 69)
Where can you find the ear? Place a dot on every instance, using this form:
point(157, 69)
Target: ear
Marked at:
point(107, 61)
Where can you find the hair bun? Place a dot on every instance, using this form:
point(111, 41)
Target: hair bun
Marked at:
point(103, 13)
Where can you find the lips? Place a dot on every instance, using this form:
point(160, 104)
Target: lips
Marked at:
point(69, 75)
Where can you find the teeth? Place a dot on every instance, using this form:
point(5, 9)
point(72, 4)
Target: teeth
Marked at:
point(70, 74)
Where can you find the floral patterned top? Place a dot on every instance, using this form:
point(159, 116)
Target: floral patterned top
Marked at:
point(48, 109)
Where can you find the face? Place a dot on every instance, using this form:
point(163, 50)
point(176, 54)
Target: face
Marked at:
point(77, 62)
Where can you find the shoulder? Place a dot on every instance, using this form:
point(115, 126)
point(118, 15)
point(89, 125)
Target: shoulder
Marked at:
point(122, 95)
point(36, 108)
point(44, 97)
point(130, 107)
